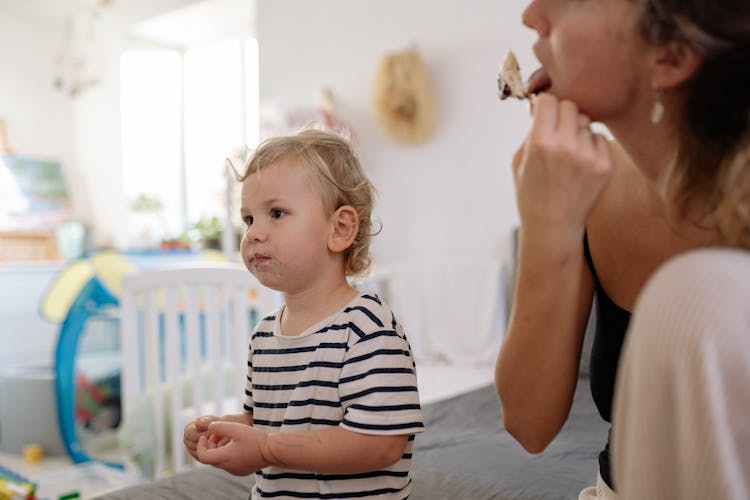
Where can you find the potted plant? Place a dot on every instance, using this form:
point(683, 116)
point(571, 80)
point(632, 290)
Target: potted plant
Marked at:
point(147, 220)
point(208, 231)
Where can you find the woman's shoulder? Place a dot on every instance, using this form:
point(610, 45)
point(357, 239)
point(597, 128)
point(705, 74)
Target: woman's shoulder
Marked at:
point(628, 206)
point(617, 220)
point(613, 198)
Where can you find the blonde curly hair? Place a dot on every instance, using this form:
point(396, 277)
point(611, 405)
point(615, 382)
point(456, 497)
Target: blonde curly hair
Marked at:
point(342, 180)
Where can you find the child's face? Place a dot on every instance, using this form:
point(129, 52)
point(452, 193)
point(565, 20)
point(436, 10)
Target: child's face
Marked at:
point(287, 227)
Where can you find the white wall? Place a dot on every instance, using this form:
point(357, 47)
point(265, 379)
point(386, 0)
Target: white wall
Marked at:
point(451, 196)
point(96, 125)
point(82, 131)
point(38, 118)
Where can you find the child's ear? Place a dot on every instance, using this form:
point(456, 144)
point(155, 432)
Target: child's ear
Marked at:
point(344, 228)
point(674, 64)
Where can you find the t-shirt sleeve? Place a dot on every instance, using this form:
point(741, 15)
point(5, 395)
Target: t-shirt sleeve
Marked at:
point(378, 386)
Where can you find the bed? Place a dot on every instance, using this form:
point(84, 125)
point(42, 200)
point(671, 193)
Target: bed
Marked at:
point(464, 454)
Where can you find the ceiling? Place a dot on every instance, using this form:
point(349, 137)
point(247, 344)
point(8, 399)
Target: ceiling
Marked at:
point(172, 23)
point(199, 22)
point(56, 8)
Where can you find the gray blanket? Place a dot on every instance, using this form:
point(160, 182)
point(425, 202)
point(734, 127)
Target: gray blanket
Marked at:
point(464, 454)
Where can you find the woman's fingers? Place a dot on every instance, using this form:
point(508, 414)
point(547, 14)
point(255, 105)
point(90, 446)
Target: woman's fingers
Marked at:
point(603, 154)
point(544, 118)
point(518, 158)
point(568, 126)
point(584, 122)
point(558, 170)
point(558, 124)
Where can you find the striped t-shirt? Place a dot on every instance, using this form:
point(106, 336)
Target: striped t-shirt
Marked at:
point(355, 370)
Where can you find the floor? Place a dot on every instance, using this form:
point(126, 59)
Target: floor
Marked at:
point(56, 476)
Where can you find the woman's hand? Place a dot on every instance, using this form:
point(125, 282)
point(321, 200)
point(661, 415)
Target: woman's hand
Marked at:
point(561, 168)
point(560, 172)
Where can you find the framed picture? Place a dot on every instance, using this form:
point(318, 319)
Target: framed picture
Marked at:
point(33, 193)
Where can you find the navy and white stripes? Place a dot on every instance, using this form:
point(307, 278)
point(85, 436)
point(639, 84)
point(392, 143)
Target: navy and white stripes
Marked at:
point(355, 370)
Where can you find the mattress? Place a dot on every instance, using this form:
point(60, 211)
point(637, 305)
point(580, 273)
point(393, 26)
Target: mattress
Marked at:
point(464, 454)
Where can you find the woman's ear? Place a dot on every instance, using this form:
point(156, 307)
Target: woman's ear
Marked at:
point(344, 228)
point(674, 64)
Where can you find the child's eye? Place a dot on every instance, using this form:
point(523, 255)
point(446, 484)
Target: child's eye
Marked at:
point(277, 213)
point(248, 220)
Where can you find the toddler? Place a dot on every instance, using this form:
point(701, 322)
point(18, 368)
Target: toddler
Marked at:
point(331, 404)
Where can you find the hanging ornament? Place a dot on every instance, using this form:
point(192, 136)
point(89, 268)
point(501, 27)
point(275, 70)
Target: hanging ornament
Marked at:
point(78, 64)
point(403, 100)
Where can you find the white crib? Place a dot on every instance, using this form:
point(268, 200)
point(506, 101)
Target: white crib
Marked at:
point(185, 334)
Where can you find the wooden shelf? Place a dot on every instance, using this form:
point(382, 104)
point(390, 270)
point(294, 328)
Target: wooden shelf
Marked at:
point(33, 245)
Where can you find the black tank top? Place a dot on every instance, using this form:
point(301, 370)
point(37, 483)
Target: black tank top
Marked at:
point(611, 325)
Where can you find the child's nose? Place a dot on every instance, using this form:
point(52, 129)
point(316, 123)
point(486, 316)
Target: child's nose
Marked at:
point(255, 232)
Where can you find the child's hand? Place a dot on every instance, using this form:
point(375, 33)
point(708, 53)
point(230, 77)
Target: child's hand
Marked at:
point(194, 430)
point(236, 448)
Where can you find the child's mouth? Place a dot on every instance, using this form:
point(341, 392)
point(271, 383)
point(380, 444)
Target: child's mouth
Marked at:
point(260, 259)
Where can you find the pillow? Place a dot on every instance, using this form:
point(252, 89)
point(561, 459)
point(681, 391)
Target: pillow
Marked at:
point(452, 309)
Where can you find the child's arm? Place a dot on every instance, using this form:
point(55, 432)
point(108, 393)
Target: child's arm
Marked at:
point(335, 450)
point(198, 427)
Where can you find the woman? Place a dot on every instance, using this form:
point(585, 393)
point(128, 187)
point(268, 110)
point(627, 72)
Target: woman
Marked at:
point(669, 79)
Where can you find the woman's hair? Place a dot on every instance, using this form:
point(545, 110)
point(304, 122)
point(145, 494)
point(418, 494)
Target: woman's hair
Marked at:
point(342, 181)
point(713, 161)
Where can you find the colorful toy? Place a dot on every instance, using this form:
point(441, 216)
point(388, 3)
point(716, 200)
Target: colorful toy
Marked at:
point(85, 288)
point(32, 454)
point(13, 486)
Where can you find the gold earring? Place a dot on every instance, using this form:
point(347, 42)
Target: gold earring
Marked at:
point(657, 108)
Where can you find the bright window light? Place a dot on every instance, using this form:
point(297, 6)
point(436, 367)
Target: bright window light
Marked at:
point(209, 93)
point(150, 110)
point(213, 123)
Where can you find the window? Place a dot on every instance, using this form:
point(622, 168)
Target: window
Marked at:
point(183, 114)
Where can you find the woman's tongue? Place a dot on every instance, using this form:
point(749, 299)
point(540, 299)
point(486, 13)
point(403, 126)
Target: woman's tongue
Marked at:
point(538, 82)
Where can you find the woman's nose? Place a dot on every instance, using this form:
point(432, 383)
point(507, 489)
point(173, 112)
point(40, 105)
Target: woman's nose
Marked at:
point(533, 17)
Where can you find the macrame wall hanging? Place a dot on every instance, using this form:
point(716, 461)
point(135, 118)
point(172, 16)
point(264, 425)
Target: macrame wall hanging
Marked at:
point(403, 100)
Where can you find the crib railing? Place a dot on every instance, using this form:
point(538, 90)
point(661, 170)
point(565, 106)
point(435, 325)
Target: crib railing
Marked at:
point(186, 324)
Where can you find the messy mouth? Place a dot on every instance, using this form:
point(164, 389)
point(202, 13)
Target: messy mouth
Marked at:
point(259, 259)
